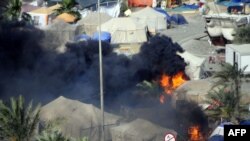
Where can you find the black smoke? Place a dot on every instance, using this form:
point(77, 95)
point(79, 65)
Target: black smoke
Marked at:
point(32, 67)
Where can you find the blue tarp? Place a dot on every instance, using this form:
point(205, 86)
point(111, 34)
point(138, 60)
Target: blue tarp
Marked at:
point(82, 37)
point(245, 122)
point(178, 19)
point(184, 7)
point(168, 17)
point(191, 6)
point(245, 1)
point(216, 138)
point(229, 3)
point(236, 1)
point(105, 36)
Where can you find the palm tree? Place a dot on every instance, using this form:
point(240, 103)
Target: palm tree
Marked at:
point(227, 93)
point(231, 76)
point(223, 103)
point(11, 9)
point(67, 6)
point(52, 136)
point(242, 35)
point(52, 132)
point(17, 121)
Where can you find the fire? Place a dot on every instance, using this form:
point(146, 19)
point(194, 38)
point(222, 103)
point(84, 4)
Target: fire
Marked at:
point(170, 83)
point(195, 134)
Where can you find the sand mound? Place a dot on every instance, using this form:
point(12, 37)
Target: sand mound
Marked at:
point(80, 119)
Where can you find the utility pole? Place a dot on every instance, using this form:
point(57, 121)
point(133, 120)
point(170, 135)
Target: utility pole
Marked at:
point(101, 74)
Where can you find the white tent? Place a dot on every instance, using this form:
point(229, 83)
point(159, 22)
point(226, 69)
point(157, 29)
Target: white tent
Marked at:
point(155, 21)
point(89, 23)
point(194, 64)
point(81, 120)
point(139, 130)
point(125, 30)
point(219, 130)
point(111, 8)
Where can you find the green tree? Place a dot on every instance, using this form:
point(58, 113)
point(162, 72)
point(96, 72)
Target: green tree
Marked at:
point(53, 135)
point(51, 132)
point(230, 79)
point(11, 9)
point(242, 35)
point(223, 104)
point(17, 121)
point(67, 6)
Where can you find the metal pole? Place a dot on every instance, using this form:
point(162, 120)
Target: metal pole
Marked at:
point(101, 74)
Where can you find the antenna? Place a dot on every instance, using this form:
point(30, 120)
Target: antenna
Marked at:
point(101, 74)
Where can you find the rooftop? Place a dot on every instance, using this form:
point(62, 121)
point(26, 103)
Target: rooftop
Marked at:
point(242, 49)
point(46, 10)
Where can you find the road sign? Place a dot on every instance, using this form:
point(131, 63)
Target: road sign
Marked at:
point(170, 137)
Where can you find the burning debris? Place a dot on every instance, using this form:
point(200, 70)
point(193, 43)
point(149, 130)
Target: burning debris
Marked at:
point(195, 134)
point(170, 83)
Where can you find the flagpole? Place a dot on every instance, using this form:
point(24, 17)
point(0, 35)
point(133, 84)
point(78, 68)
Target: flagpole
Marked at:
point(101, 74)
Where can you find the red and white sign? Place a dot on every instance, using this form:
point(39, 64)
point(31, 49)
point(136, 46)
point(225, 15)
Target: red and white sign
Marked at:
point(170, 137)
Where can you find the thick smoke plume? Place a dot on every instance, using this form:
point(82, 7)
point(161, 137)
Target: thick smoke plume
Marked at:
point(37, 71)
point(32, 67)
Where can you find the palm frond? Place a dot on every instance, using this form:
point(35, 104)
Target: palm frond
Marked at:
point(223, 104)
point(17, 120)
point(67, 7)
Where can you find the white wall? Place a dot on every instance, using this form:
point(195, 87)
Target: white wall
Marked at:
point(242, 60)
point(245, 61)
point(229, 55)
point(42, 18)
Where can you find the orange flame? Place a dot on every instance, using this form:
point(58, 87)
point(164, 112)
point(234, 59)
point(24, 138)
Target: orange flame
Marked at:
point(170, 83)
point(195, 134)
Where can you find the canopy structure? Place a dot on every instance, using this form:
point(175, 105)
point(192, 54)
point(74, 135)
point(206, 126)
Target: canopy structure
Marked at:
point(155, 21)
point(178, 19)
point(80, 119)
point(219, 130)
point(105, 36)
point(89, 23)
point(125, 30)
point(216, 138)
point(165, 13)
point(82, 37)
